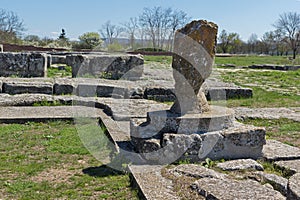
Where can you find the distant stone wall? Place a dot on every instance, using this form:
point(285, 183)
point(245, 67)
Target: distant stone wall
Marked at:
point(23, 64)
point(106, 66)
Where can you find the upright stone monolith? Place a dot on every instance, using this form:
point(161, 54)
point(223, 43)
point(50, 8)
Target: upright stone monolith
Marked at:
point(194, 51)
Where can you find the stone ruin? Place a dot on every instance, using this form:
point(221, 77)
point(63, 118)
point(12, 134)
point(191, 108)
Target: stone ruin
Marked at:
point(192, 129)
point(23, 64)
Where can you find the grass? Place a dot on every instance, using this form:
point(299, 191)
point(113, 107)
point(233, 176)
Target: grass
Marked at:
point(284, 130)
point(49, 161)
point(160, 59)
point(55, 72)
point(236, 60)
point(270, 88)
point(251, 60)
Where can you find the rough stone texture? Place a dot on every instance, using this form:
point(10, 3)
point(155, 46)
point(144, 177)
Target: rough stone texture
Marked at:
point(64, 86)
point(110, 66)
point(294, 187)
point(291, 165)
point(233, 143)
point(243, 113)
point(20, 86)
point(23, 99)
point(279, 183)
point(196, 171)
point(23, 114)
point(194, 51)
point(23, 64)
point(159, 94)
point(168, 122)
point(228, 189)
point(152, 184)
point(241, 164)
point(216, 90)
point(58, 59)
point(274, 151)
point(125, 109)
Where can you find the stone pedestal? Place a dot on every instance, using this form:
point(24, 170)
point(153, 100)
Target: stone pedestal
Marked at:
point(164, 137)
point(192, 129)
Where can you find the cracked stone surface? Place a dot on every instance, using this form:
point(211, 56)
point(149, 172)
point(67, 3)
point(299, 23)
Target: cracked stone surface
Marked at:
point(242, 113)
point(278, 182)
point(274, 151)
point(294, 187)
point(228, 189)
point(240, 164)
point(292, 165)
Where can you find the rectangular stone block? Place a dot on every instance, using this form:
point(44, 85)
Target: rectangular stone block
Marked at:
point(23, 64)
point(64, 86)
point(27, 86)
point(106, 66)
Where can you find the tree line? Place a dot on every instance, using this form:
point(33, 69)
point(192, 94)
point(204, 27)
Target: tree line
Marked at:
point(155, 28)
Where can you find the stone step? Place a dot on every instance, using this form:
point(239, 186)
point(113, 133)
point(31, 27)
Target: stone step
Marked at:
point(155, 90)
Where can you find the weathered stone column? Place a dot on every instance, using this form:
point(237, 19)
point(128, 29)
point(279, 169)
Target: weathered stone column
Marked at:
point(194, 51)
point(1, 48)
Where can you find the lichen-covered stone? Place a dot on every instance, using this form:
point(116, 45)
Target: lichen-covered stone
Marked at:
point(23, 64)
point(294, 187)
point(276, 151)
point(240, 164)
point(21, 86)
point(228, 189)
point(106, 66)
point(279, 183)
point(194, 50)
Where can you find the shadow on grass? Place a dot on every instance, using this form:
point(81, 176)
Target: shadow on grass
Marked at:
point(101, 171)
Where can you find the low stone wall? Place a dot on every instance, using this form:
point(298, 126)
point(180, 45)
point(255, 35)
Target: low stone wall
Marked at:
point(57, 59)
point(23, 64)
point(275, 67)
point(106, 66)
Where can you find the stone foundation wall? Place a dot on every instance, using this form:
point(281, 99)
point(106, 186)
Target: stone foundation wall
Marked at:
point(106, 66)
point(23, 64)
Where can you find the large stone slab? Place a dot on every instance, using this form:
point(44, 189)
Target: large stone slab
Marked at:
point(24, 114)
point(240, 164)
point(21, 86)
point(294, 187)
point(275, 151)
point(107, 66)
point(151, 183)
point(243, 113)
point(23, 64)
point(279, 183)
point(291, 165)
point(228, 189)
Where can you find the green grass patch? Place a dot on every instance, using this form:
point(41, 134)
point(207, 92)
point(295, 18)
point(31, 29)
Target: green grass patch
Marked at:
point(49, 161)
point(284, 130)
point(270, 88)
point(55, 72)
point(160, 59)
point(256, 60)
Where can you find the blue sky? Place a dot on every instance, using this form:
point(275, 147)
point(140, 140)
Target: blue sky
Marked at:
point(47, 18)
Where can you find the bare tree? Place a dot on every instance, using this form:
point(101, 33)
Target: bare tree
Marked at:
point(160, 24)
point(289, 24)
point(252, 43)
point(110, 32)
point(130, 28)
point(11, 26)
